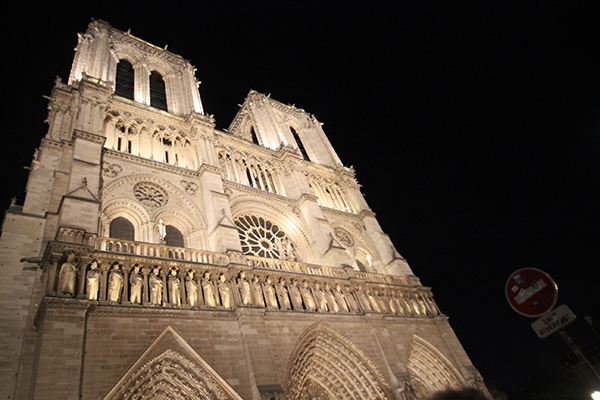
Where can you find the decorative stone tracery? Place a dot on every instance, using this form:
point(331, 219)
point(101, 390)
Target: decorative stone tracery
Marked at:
point(150, 194)
point(430, 370)
point(326, 364)
point(261, 237)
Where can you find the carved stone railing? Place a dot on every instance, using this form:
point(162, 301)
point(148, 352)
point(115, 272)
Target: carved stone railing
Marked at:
point(159, 251)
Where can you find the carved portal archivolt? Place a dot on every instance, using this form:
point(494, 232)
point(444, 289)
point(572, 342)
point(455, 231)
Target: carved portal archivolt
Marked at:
point(429, 370)
point(171, 376)
point(325, 365)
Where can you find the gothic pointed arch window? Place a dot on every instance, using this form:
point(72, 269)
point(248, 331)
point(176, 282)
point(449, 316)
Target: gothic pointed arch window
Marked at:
point(125, 79)
point(158, 93)
point(253, 134)
point(300, 144)
point(121, 228)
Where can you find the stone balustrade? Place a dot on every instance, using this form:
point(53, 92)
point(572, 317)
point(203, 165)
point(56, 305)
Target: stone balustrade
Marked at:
point(159, 251)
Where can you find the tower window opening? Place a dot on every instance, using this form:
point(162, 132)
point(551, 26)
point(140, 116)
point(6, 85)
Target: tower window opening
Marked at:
point(158, 94)
point(253, 133)
point(128, 146)
point(125, 80)
point(166, 156)
point(167, 142)
point(300, 145)
point(119, 144)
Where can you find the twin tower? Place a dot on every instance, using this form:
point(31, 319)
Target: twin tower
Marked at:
point(156, 256)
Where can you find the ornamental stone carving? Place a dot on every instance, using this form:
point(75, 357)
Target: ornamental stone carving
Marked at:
point(150, 194)
point(260, 237)
point(189, 187)
point(344, 236)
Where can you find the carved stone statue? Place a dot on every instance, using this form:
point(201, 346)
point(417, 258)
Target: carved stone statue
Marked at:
point(296, 296)
point(208, 290)
point(331, 303)
point(259, 300)
point(191, 287)
point(309, 301)
point(92, 281)
point(373, 301)
point(245, 291)
point(162, 230)
point(351, 300)
point(136, 282)
point(269, 291)
point(156, 287)
point(341, 299)
point(380, 302)
point(115, 285)
point(282, 294)
point(174, 285)
point(224, 292)
point(363, 300)
point(67, 276)
point(320, 298)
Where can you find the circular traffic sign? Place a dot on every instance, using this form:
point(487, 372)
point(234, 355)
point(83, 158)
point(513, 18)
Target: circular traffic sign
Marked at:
point(531, 292)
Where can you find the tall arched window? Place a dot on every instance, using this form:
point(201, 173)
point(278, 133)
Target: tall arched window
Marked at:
point(158, 94)
point(253, 133)
point(174, 237)
point(125, 80)
point(121, 228)
point(300, 145)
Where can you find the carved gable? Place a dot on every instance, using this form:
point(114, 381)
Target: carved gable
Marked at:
point(171, 369)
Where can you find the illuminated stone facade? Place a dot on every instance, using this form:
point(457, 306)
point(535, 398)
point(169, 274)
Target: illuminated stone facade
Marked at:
point(158, 257)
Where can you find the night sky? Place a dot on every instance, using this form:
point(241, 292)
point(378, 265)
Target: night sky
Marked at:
point(474, 129)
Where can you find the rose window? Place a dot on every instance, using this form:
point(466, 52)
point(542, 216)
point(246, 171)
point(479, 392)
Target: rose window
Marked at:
point(261, 237)
point(150, 194)
point(344, 236)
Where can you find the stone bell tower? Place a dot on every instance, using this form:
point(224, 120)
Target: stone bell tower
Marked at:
point(157, 256)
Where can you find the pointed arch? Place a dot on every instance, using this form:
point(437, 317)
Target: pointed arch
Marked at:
point(325, 361)
point(429, 369)
point(171, 375)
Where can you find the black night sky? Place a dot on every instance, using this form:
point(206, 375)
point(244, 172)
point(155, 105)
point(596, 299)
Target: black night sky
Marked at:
point(474, 129)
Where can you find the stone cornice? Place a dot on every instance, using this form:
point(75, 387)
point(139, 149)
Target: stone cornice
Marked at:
point(159, 165)
point(90, 137)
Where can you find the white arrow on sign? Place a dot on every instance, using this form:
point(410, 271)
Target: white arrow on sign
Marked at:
point(553, 321)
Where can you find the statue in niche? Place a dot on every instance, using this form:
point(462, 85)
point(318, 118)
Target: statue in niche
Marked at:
point(372, 301)
point(259, 300)
point(320, 298)
point(156, 287)
point(362, 299)
point(434, 308)
point(269, 291)
point(350, 300)
point(413, 304)
point(421, 303)
point(308, 298)
point(282, 293)
point(174, 285)
point(331, 303)
point(245, 291)
point(208, 290)
point(340, 298)
point(136, 282)
point(403, 303)
point(224, 292)
point(115, 285)
point(380, 302)
point(296, 296)
point(67, 276)
point(191, 287)
point(389, 302)
point(92, 281)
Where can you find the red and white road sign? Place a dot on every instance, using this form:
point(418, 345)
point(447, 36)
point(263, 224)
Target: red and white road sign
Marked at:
point(531, 292)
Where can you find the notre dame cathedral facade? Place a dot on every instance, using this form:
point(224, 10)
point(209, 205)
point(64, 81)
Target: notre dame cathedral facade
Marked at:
point(158, 257)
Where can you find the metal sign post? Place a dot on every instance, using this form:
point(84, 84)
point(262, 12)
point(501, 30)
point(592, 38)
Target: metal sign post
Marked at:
point(532, 293)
